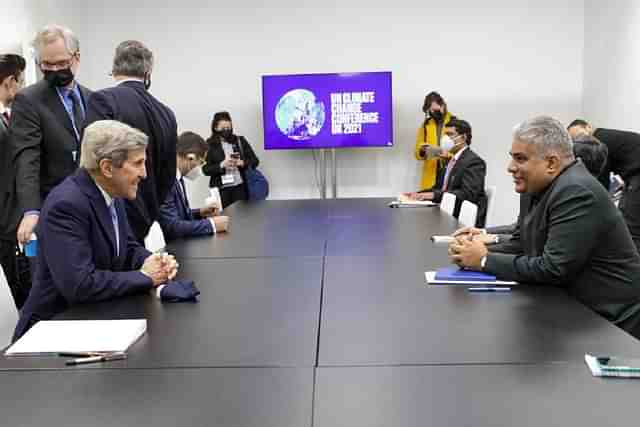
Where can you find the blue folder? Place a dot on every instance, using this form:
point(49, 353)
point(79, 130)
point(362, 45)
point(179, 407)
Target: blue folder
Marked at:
point(455, 274)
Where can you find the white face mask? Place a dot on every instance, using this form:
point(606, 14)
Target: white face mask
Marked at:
point(194, 173)
point(448, 143)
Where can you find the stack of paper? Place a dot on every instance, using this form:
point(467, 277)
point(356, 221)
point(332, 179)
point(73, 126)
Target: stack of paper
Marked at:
point(406, 201)
point(71, 336)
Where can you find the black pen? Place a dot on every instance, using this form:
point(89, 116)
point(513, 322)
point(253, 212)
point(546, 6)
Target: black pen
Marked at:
point(79, 353)
point(95, 359)
point(489, 289)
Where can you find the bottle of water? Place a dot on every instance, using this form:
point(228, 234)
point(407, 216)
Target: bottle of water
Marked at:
point(214, 199)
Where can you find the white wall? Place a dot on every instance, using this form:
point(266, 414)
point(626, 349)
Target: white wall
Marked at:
point(612, 64)
point(496, 63)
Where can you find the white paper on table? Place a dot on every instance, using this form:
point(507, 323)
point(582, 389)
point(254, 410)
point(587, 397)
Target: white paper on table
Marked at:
point(70, 336)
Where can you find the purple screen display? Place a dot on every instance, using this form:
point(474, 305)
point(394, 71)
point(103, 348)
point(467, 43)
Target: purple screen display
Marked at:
point(327, 110)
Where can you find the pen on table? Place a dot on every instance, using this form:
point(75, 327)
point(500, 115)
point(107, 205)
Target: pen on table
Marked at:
point(95, 359)
point(489, 289)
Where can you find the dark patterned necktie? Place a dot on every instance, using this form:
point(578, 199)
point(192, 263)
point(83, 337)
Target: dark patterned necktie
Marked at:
point(78, 117)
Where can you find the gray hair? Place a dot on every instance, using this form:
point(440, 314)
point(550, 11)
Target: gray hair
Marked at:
point(53, 32)
point(132, 59)
point(548, 136)
point(109, 139)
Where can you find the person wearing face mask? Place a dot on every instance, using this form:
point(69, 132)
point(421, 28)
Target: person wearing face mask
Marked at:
point(47, 120)
point(130, 102)
point(228, 158)
point(428, 140)
point(177, 219)
point(464, 175)
point(11, 81)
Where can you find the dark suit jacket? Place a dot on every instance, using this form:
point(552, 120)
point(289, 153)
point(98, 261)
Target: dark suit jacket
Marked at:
point(624, 153)
point(131, 103)
point(572, 235)
point(178, 220)
point(8, 208)
point(466, 181)
point(77, 260)
point(42, 143)
point(215, 156)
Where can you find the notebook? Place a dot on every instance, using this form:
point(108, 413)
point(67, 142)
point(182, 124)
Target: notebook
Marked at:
point(456, 274)
point(430, 277)
point(61, 336)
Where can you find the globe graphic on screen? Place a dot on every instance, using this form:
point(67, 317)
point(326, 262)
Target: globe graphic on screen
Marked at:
point(299, 116)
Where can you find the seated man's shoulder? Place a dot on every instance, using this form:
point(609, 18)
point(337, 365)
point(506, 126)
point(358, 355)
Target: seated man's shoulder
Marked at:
point(474, 157)
point(67, 196)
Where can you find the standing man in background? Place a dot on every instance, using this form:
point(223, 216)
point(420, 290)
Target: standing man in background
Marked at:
point(47, 120)
point(131, 103)
point(624, 160)
point(11, 81)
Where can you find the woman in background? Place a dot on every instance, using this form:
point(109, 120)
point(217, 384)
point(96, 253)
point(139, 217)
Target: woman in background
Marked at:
point(428, 140)
point(228, 158)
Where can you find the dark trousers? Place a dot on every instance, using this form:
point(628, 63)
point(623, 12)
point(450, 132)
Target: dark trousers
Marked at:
point(230, 195)
point(630, 207)
point(17, 273)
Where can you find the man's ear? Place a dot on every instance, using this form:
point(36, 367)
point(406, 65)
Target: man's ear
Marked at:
point(554, 164)
point(106, 168)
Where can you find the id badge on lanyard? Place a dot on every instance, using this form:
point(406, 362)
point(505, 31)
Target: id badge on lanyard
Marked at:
point(228, 179)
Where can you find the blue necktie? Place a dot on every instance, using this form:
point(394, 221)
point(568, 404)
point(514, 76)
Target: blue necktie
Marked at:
point(78, 116)
point(114, 220)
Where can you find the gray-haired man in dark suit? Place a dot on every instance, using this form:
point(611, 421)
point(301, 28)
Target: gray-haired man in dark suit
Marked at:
point(570, 235)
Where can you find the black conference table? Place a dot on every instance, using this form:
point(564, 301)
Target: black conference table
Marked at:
point(318, 312)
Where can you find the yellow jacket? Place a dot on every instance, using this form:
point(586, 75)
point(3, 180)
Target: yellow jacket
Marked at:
point(431, 167)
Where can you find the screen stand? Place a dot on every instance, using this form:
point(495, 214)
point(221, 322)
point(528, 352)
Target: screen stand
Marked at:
point(334, 174)
point(323, 173)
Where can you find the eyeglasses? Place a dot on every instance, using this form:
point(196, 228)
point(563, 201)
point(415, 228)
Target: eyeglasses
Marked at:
point(60, 65)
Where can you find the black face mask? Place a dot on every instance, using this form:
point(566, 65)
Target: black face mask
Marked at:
point(226, 134)
point(437, 115)
point(58, 78)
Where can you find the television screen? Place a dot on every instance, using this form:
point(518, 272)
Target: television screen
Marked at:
point(327, 110)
